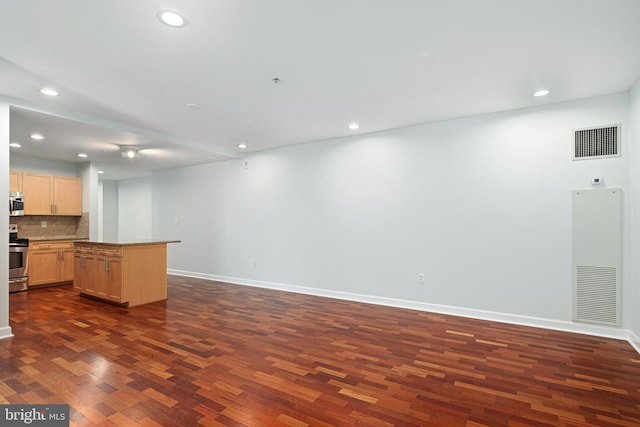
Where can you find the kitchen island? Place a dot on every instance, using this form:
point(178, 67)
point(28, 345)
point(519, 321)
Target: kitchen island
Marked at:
point(125, 273)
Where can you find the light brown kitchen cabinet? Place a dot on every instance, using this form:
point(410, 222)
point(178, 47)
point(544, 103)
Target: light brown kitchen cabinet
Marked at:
point(67, 195)
point(109, 277)
point(51, 194)
point(84, 272)
point(125, 274)
point(50, 262)
point(98, 272)
point(15, 181)
point(38, 199)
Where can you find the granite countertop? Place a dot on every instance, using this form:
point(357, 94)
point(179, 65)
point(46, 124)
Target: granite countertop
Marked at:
point(126, 242)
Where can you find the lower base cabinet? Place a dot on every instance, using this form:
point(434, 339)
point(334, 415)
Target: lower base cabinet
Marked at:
point(127, 275)
point(83, 272)
point(50, 262)
point(109, 278)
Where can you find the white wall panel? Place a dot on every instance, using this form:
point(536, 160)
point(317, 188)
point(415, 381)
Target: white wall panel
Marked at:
point(5, 328)
point(631, 293)
point(597, 255)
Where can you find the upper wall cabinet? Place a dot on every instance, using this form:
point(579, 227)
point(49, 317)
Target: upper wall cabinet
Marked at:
point(67, 195)
point(51, 194)
point(15, 181)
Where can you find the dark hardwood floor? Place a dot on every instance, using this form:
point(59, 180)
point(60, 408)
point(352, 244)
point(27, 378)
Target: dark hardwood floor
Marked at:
point(219, 354)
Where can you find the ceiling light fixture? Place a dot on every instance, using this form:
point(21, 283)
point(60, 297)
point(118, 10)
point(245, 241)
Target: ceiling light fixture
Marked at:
point(543, 92)
point(49, 91)
point(129, 152)
point(193, 106)
point(83, 155)
point(15, 145)
point(172, 18)
point(100, 172)
point(37, 136)
point(242, 146)
point(354, 126)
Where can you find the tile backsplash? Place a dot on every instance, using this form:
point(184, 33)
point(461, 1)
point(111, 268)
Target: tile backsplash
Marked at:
point(57, 227)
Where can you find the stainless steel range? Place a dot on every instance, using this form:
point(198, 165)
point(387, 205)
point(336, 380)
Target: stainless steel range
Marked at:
point(18, 251)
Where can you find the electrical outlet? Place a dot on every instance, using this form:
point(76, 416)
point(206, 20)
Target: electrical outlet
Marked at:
point(44, 224)
point(420, 277)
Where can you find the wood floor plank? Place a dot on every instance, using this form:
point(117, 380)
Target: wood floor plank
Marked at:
point(217, 354)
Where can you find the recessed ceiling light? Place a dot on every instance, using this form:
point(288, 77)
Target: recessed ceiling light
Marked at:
point(83, 155)
point(212, 157)
point(242, 146)
point(543, 92)
point(172, 18)
point(193, 106)
point(48, 91)
point(129, 152)
point(100, 172)
point(354, 126)
point(37, 136)
point(15, 145)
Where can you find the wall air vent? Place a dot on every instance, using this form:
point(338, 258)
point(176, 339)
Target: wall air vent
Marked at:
point(596, 143)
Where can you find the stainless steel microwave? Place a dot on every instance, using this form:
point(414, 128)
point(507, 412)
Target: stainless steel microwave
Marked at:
point(16, 204)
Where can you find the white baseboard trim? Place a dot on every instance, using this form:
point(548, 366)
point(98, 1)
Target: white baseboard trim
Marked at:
point(536, 322)
point(634, 341)
point(5, 332)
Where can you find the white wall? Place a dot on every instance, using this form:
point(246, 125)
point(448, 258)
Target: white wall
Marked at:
point(109, 210)
point(134, 209)
point(5, 329)
point(126, 209)
point(90, 196)
point(481, 206)
point(33, 164)
point(632, 296)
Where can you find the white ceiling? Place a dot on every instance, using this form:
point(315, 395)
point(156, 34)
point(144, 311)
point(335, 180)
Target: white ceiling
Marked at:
point(125, 79)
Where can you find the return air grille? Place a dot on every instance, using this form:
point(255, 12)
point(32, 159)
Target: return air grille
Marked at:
point(597, 142)
point(597, 295)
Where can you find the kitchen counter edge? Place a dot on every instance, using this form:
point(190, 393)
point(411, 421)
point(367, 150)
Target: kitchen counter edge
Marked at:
point(126, 243)
point(56, 238)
